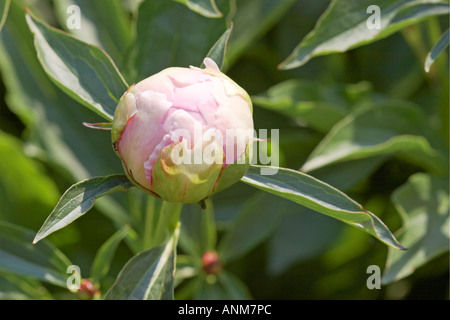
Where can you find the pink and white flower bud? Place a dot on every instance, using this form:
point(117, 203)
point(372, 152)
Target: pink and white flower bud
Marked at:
point(184, 134)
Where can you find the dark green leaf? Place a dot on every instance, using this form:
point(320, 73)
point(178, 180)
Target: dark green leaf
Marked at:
point(41, 261)
point(347, 24)
point(79, 199)
point(299, 237)
point(217, 52)
point(251, 20)
point(105, 254)
point(423, 203)
point(225, 286)
point(321, 197)
point(234, 287)
point(148, 275)
point(437, 49)
point(83, 71)
point(171, 35)
point(255, 222)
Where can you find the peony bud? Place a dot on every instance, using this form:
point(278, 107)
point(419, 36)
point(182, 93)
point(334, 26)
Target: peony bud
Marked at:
point(211, 263)
point(88, 291)
point(184, 134)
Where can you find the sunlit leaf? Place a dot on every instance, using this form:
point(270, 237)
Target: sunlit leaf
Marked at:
point(321, 197)
point(148, 275)
point(79, 199)
point(54, 133)
point(437, 49)
point(53, 120)
point(347, 24)
point(105, 26)
point(217, 52)
point(83, 71)
point(207, 8)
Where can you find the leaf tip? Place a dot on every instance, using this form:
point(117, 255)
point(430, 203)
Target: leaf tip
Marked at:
point(35, 240)
point(99, 125)
point(288, 64)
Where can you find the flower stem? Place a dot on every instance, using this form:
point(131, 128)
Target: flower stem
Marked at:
point(169, 217)
point(149, 224)
point(208, 226)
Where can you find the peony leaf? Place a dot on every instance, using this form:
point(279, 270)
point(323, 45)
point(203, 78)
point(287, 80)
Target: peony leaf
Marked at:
point(85, 72)
point(207, 8)
point(348, 24)
point(78, 200)
point(217, 52)
point(149, 275)
point(439, 47)
point(321, 197)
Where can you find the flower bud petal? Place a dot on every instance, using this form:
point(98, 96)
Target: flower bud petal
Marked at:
point(178, 177)
point(184, 134)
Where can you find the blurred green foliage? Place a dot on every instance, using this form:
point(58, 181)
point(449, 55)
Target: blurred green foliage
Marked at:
point(369, 120)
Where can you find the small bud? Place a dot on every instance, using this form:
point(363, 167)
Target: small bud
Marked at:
point(88, 291)
point(211, 263)
point(184, 134)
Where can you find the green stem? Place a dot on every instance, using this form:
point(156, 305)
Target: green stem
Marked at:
point(149, 223)
point(208, 226)
point(134, 207)
point(169, 217)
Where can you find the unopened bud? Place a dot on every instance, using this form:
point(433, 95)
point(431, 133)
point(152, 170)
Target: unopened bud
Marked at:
point(184, 134)
point(211, 263)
